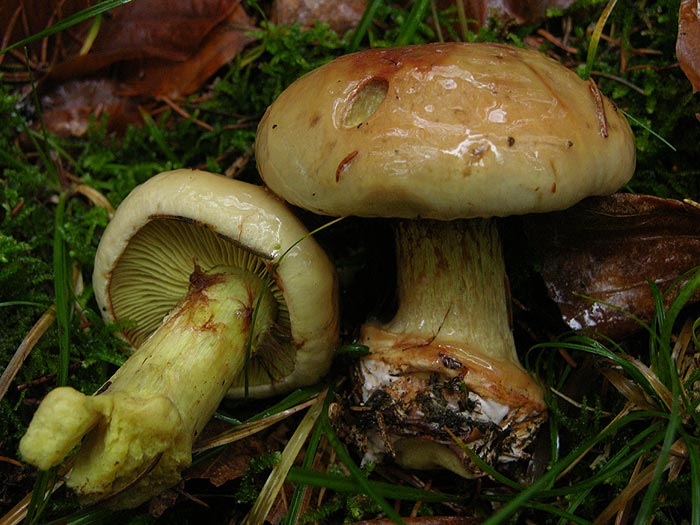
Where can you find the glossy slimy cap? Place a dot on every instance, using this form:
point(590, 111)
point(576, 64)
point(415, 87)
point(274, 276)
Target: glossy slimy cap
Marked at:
point(443, 131)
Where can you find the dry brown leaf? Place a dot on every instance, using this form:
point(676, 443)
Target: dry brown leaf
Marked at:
point(156, 48)
point(609, 248)
point(163, 48)
point(518, 11)
point(176, 79)
point(340, 15)
point(233, 460)
point(68, 109)
point(231, 463)
point(688, 42)
point(20, 19)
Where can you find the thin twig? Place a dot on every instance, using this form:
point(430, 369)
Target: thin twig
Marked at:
point(18, 513)
point(184, 114)
point(248, 429)
point(620, 80)
point(577, 404)
point(637, 483)
point(25, 347)
point(557, 41)
point(8, 32)
point(279, 472)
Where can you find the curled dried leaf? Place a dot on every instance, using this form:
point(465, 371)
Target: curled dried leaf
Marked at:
point(518, 11)
point(161, 48)
point(629, 389)
point(341, 16)
point(598, 258)
point(69, 108)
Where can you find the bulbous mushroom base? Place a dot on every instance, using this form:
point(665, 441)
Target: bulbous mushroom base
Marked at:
point(129, 440)
point(139, 429)
point(415, 402)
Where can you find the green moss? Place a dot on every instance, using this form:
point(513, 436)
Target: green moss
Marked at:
point(255, 476)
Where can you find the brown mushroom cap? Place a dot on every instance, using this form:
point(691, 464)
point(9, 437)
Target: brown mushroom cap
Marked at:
point(443, 131)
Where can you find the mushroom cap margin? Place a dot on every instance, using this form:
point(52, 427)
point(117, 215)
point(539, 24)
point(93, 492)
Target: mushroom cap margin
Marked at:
point(257, 219)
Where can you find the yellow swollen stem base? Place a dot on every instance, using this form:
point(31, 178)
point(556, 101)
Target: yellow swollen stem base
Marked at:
point(141, 426)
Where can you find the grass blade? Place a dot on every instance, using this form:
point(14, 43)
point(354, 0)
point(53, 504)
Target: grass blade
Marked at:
point(667, 370)
point(694, 461)
point(278, 475)
point(485, 467)
point(684, 295)
point(67, 22)
point(243, 430)
point(649, 130)
point(291, 400)
point(595, 37)
point(588, 344)
point(9, 160)
point(412, 22)
point(565, 516)
point(359, 476)
point(268, 285)
point(158, 136)
point(43, 488)
point(350, 485)
point(651, 495)
point(363, 26)
point(616, 464)
point(523, 498)
point(297, 500)
point(62, 287)
point(25, 347)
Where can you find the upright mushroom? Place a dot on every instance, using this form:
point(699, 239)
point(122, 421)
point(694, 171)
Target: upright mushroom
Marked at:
point(435, 134)
point(200, 269)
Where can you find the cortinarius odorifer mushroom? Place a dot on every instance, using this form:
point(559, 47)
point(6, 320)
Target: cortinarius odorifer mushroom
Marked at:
point(436, 134)
point(201, 269)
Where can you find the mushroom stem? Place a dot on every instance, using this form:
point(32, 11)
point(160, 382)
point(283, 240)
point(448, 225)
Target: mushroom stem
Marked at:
point(448, 359)
point(140, 427)
point(451, 285)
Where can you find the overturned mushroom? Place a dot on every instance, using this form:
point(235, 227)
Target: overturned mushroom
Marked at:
point(432, 134)
point(200, 269)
